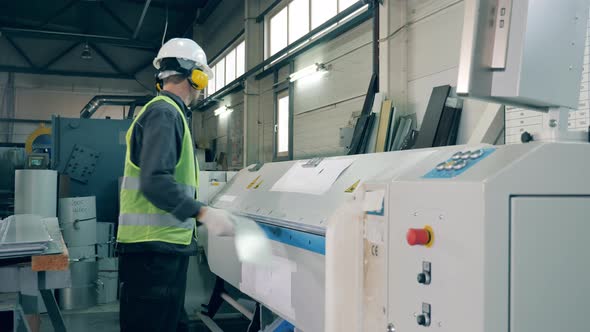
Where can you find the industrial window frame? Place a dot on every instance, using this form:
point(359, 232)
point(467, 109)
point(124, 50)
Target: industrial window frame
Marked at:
point(233, 47)
point(285, 5)
point(288, 154)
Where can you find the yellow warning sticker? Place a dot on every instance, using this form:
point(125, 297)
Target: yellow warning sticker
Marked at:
point(258, 185)
point(253, 182)
point(353, 187)
point(215, 184)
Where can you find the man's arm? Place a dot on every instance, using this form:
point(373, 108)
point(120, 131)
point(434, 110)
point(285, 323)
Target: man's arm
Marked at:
point(159, 155)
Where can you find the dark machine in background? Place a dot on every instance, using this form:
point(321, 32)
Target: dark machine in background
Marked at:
point(11, 159)
point(91, 153)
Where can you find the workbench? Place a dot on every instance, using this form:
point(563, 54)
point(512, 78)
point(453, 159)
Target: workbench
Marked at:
point(31, 274)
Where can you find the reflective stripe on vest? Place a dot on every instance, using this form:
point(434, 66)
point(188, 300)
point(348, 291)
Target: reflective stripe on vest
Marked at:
point(139, 219)
point(132, 183)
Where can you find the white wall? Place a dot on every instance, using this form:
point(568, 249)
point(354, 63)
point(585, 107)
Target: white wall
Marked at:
point(226, 130)
point(432, 42)
point(424, 54)
point(421, 41)
point(323, 105)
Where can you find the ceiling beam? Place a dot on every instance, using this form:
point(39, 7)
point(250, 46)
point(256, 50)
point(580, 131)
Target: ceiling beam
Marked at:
point(59, 56)
point(141, 67)
point(107, 59)
point(141, 18)
point(39, 71)
point(79, 37)
point(20, 51)
point(116, 17)
point(58, 13)
point(175, 7)
point(207, 11)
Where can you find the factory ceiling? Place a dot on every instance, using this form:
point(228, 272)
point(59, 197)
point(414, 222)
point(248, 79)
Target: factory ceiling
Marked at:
point(92, 38)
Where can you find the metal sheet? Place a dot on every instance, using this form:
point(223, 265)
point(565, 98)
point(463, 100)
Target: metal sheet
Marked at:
point(36, 192)
point(23, 229)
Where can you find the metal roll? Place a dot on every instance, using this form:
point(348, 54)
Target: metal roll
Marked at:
point(83, 293)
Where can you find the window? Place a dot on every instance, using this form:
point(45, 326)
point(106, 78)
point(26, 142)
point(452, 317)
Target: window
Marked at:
point(299, 17)
point(241, 59)
point(211, 86)
point(278, 31)
point(343, 4)
point(220, 74)
point(282, 125)
point(321, 11)
point(229, 67)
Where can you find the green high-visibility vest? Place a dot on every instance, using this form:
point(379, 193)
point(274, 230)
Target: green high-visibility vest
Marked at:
point(140, 220)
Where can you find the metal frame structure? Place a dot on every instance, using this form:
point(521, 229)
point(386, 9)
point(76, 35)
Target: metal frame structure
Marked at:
point(79, 39)
point(129, 40)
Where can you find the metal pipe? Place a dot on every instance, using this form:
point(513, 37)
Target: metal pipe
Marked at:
point(12, 120)
point(40, 71)
point(237, 306)
point(125, 42)
point(140, 23)
point(98, 101)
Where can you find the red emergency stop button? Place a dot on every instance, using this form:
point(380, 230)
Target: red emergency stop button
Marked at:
point(419, 236)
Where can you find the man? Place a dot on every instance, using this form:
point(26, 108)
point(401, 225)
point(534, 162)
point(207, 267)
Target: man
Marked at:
point(157, 228)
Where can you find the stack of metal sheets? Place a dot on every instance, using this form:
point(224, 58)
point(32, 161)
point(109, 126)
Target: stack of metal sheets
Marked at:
point(23, 235)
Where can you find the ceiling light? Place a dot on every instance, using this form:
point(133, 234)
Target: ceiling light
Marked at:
point(86, 54)
point(222, 111)
point(315, 69)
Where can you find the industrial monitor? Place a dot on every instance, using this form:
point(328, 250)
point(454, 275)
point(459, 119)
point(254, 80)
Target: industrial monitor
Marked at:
point(37, 161)
point(527, 53)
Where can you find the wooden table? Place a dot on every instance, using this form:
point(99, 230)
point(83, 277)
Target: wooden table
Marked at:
point(44, 271)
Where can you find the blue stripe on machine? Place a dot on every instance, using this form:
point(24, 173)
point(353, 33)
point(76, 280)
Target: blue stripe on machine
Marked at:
point(299, 239)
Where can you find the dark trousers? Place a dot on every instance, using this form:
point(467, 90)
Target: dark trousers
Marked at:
point(153, 286)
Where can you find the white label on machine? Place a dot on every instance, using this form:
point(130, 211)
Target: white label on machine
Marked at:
point(270, 284)
point(227, 198)
point(375, 229)
point(312, 180)
point(373, 200)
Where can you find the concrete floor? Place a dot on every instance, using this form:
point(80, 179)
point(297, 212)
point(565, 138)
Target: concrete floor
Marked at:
point(105, 318)
point(100, 321)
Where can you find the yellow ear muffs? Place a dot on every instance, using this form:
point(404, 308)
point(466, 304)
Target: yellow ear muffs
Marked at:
point(198, 79)
point(159, 86)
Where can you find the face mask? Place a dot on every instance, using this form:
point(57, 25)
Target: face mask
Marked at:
point(194, 97)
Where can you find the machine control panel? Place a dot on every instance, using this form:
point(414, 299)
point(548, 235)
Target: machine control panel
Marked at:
point(419, 236)
point(458, 163)
point(425, 277)
point(424, 318)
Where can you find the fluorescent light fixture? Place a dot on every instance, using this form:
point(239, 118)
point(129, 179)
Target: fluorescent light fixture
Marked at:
point(315, 69)
point(222, 111)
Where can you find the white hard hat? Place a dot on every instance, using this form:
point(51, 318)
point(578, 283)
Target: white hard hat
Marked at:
point(184, 48)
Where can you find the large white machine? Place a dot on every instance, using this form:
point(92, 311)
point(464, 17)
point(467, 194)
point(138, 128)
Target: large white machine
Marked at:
point(475, 238)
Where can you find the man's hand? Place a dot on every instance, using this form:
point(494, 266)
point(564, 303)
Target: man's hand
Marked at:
point(218, 222)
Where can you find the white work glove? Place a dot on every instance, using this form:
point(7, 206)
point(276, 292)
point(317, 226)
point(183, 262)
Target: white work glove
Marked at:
point(218, 222)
